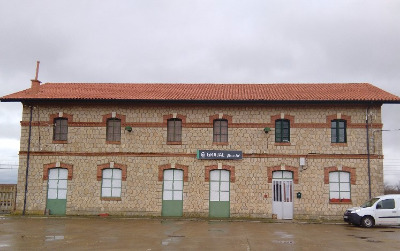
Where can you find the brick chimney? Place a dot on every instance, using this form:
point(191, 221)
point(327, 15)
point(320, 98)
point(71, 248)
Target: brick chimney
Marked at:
point(35, 82)
point(35, 86)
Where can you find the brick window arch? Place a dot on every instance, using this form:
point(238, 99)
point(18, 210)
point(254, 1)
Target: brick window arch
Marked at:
point(60, 115)
point(285, 116)
point(340, 185)
point(176, 166)
point(46, 168)
point(294, 170)
point(171, 116)
point(113, 123)
point(60, 123)
point(231, 169)
point(117, 116)
point(174, 123)
point(111, 165)
point(329, 118)
point(350, 170)
point(220, 124)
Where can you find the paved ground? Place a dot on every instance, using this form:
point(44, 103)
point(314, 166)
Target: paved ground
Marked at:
point(86, 233)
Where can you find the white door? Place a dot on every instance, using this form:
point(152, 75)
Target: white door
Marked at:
point(386, 212)
point(282, 189)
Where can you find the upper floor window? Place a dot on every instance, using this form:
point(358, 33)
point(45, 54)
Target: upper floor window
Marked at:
point(282, 130)
point(174, 130)
point(111, 182)
point(220, 132)
point(113, 130)
point(339, 186)
point(60, 131)
point(338, 131)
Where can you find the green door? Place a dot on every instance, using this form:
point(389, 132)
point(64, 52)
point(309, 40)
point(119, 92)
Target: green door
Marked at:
point(219, 193)
point(172, 204)
point(57, 191)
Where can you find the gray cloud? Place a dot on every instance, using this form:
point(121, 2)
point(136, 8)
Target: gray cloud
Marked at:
point(223, 41)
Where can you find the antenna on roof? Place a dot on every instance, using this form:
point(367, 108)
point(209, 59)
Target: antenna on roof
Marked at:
point(37, 70)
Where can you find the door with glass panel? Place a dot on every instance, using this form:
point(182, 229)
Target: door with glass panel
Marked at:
point(57, 191)
point(282, 189)
point(172, 203)
point(219, 193)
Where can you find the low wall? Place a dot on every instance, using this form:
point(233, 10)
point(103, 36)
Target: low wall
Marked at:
point(7, 197)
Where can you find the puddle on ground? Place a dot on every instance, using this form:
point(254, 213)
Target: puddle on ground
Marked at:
point(172, 239)
point(215, 230)
point(283, 242)
point(368, 239)
point(374, 241)
point(54, 237)
point(284, 235)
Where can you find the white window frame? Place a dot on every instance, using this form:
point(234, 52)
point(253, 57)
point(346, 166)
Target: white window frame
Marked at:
point(111, 185)
point(57, 183)
point(341, 185)
point(220, 185)
point(173, 184)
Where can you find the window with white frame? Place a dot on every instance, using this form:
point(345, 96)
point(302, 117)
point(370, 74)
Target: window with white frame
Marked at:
point(339, 186)
point(57, 183)
point(173, 184)
point(219, 185)
point(111, 183)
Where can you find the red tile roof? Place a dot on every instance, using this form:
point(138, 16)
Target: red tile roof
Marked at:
point(206, 92)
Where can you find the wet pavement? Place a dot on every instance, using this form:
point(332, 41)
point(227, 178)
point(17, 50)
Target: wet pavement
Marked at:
point(107, 233)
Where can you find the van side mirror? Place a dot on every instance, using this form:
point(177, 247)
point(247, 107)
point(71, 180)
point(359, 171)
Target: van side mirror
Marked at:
point(378, 206)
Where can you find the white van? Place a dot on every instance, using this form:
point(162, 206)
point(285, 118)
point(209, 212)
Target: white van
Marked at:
point(381, 210)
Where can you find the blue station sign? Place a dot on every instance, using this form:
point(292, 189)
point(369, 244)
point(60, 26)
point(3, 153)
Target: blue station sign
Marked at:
point(219, 154)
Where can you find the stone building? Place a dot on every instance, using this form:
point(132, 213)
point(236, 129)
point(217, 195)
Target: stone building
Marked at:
point(217, 150)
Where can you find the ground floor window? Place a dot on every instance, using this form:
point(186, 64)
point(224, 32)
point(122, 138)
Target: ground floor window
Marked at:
point(111, 183)
point(339, 187)
point(219, 185)
point(173, 184)
point(57, 184)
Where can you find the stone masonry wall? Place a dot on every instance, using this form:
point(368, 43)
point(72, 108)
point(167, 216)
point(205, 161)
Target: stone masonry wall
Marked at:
point(145, 149)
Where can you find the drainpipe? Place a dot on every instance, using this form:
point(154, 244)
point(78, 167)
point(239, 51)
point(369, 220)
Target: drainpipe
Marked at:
point(27, 159)
point(368, 153)
point(35, 86)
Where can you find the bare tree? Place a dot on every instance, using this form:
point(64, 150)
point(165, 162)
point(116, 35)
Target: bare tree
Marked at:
point(392, 188)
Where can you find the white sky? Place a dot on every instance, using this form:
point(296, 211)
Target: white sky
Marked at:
point(217, 41)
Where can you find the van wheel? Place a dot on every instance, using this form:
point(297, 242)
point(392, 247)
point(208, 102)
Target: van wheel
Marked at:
point(367, 221)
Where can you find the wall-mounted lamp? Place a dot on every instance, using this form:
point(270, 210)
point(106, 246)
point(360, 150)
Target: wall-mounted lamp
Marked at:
point(128, 128)
point(267, 129)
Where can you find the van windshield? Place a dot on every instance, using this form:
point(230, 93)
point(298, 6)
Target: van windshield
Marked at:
point(369, 203)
